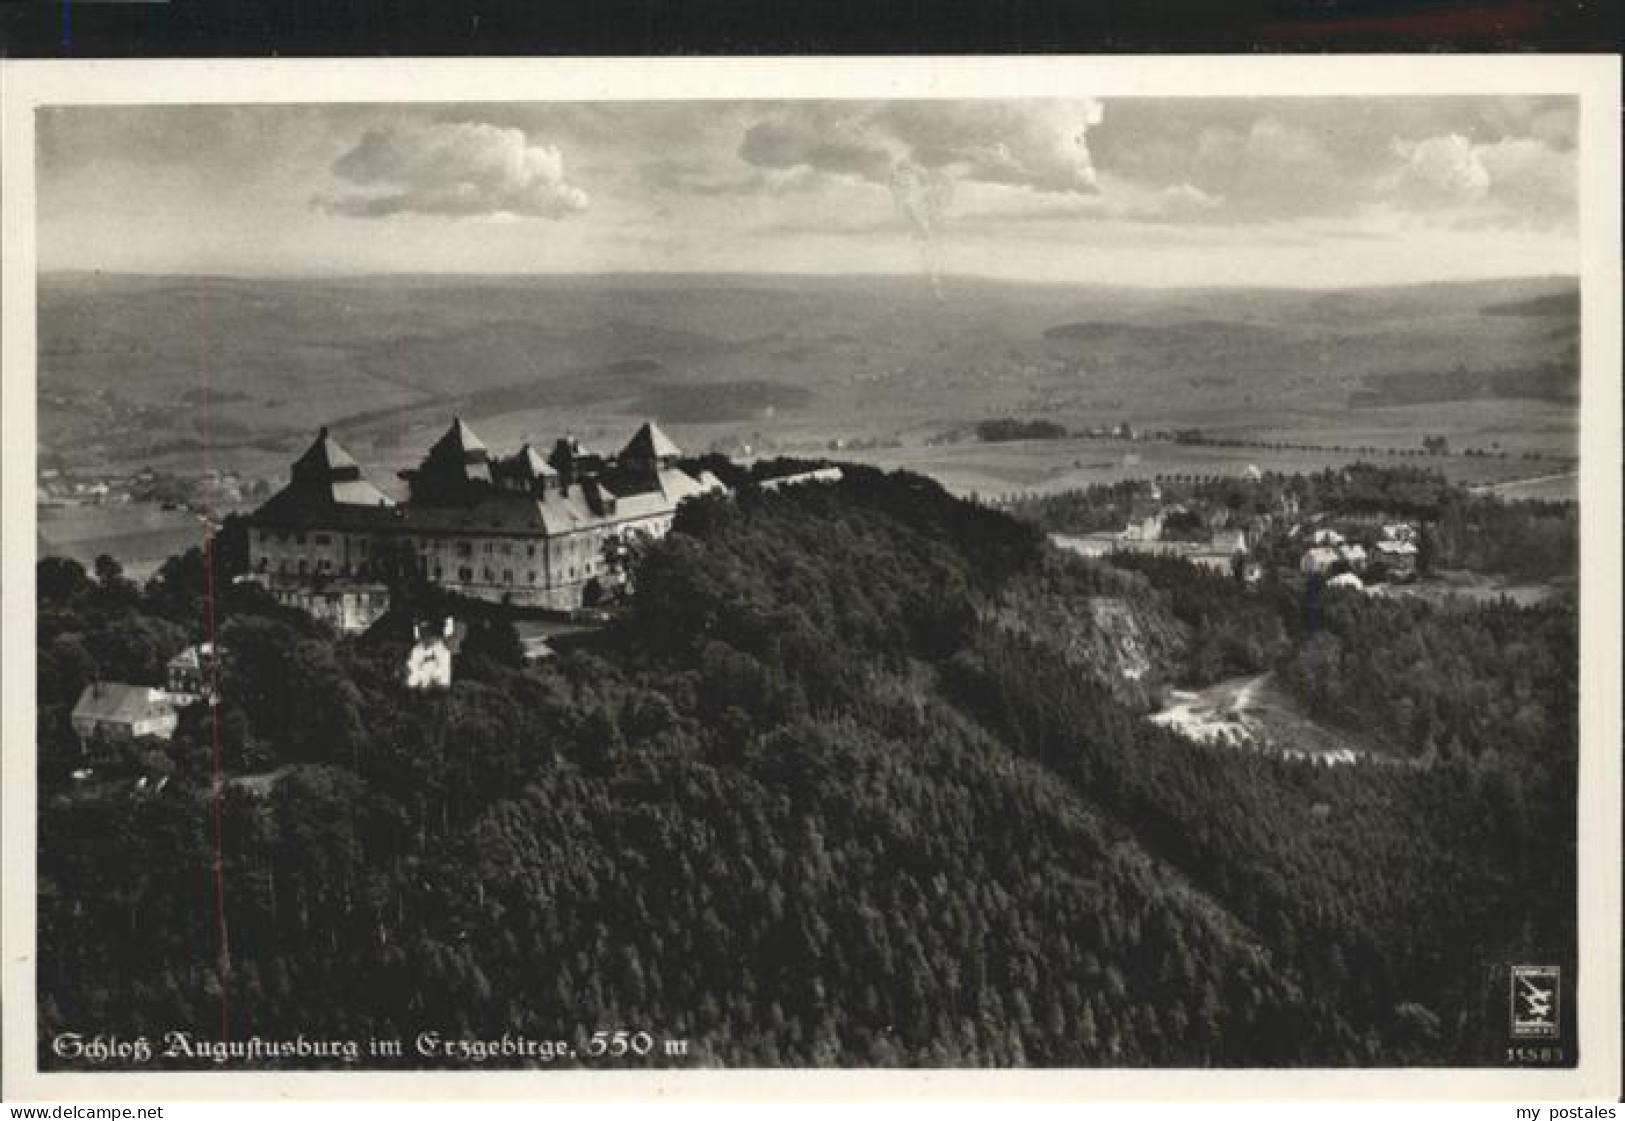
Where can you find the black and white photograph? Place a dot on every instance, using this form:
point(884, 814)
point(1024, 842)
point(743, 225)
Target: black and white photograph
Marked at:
point(993, 568)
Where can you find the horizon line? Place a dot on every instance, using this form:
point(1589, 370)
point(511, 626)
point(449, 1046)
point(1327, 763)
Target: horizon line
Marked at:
point(763, 275)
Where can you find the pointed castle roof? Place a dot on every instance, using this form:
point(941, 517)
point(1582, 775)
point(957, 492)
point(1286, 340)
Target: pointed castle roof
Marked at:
point(460, 444)
point(327, 473)
point(534, 462)
point(650, 443)
point(457, 459)
point(326, 459)
point(459, 487)
point(464, 437)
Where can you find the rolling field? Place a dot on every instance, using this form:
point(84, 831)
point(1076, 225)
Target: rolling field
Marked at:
point(146, 371)
point(140, 535)
point(992, 471)
point(1562, 487)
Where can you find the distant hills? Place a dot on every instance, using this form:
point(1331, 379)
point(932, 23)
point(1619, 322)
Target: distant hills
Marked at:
point(1564, 304)
point(261, 362)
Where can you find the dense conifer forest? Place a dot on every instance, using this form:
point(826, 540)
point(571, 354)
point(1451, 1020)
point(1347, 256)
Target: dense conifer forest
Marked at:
point(851, 782)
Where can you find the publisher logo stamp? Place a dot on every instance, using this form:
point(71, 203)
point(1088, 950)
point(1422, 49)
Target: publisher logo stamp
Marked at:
point(1536, 990)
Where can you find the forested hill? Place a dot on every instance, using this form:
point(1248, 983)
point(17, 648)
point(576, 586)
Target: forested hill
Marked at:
point(838, 791)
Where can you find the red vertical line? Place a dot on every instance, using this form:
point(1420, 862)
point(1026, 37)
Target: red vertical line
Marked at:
point(223, 961)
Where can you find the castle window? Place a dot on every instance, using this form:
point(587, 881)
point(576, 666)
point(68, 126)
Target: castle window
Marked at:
point(299, 538)
point(530, 551)
point(507, 576)
point(465, 548)
point(465, 574)
point(488, 575)
point(533, 578)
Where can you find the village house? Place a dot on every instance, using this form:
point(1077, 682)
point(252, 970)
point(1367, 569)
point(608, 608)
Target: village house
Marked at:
point(112, 710)
point(1398, 556)
point(1319, 559)
point(190, 675)
point(529, 529)
point(1144, 525)
point(428, 666)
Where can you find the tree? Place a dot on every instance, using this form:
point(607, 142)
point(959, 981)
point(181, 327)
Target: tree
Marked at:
point(179, 587)
point(65, 668)
point(491, 636)
point(59, 580)
point(112, 587)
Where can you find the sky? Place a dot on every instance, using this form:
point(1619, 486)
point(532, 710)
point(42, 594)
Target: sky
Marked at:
point(1320, 192)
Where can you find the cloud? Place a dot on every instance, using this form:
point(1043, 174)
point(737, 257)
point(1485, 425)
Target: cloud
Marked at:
point(1532, 178)
point(1184, 198)
point(1119, 200)
point(698, 177)
point(1524, 180)
point(1438, 171)
point(833, 140)
point(920, 151)
point(1270, 169)
point(460, 169)
point(1038, 145)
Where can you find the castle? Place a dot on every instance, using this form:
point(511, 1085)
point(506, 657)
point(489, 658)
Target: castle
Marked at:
point(527, 530)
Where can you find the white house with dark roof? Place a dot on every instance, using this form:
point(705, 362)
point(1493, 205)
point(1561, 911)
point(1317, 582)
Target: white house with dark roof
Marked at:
point(526, 529)
point(113, 710)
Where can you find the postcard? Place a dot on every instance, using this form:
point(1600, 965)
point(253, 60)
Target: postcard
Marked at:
point(999, 577)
